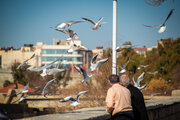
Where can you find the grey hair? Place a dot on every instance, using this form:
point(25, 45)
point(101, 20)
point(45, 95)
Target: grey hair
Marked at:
point(125, 80)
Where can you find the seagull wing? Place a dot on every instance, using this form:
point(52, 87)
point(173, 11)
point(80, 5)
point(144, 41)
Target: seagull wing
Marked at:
point(101, 62)
point(124, 66)
point(94, 59)
point(67, 99)
point(63, 31)
point(80, 94)
point(140, 77)
point(43, 92)
point(32, 56)
point(152, 26)
point(74, 22)
point(50, 64)
point(78, 69)
point(88, 20)
point(19, 92)
point(100, 20)
point(83, 72)
point(169, 15)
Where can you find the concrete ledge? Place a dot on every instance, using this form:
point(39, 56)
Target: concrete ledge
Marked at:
point(165, 108)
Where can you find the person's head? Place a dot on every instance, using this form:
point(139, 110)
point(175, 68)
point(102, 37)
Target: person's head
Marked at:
point(113, 79)
point(124, 80)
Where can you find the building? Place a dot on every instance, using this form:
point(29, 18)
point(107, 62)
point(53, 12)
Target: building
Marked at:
point(45, 54)
point(99, 50)
point(141, 51)
point(59, 49)
point(11, 56)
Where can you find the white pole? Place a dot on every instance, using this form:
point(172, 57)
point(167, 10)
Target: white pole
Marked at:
point(114, 37)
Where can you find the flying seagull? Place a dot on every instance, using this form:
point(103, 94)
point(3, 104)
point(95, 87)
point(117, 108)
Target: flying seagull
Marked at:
point(137, 82)
point(96, 25)
point(153, 73)
point(119, 48)
point(21, 98)
point(51, 71)
point(68, 32)
point(24, 90)
point(45, 87)
point(63, 25)
point(43, 67)
point(162, 26)
point(75, 102)
point(97, 64)
point(84, 73)
point(75, 47)
point(25, 62)
point(123, 69)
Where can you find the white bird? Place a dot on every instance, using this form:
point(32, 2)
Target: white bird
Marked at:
point(144, 66)
point(94, 65)
point(137, 82)
point(21, 91)
point(51, 71)
point(25, 62)
point(75, 47)
point(119, 48)
point(21, 98)
point(153, 73)
point(45, 87)
point(63, 25)
point(96, 25)
point(123, 69)
point(162, 26)
point(68, 32)
point(43, 67)
point(84, 73)
point(75, 102)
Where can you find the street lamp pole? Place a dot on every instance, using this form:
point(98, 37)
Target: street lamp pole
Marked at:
point(114, 37)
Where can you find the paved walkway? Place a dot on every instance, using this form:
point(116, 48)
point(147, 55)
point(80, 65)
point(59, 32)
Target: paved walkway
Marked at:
point(97, 113)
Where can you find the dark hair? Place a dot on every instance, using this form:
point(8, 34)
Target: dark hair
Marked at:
point(114, 78)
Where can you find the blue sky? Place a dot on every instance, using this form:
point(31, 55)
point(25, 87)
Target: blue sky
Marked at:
point(29, 21)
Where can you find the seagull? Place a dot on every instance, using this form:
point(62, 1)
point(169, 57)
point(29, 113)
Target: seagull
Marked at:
point(63, 25)
point(96, 25)
point(123, 69)
point(21, 91)
point(45, 87)
point(74, 101)
point(25, 62)
point(119, 48)
point(144, 66)
point(43, 67)
point(21, 98)
point(75, 47)
point(97, 64)
point(51, 71)
point(84, 73)
point(162, 26)
point(137, 82)
point(153, 73)
point(68, 32)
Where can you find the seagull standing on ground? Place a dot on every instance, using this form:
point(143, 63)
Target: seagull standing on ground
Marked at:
point(123, 69)
point(45, 87)
point(96, 25)
point(94, 65)
point(137, 82)
point(84, 73)
point(74, 101)
point(162, 26)
point(63, 25)
point(25, 62)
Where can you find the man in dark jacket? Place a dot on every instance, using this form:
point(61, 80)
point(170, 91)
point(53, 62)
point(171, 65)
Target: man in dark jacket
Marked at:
point(137, 99)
